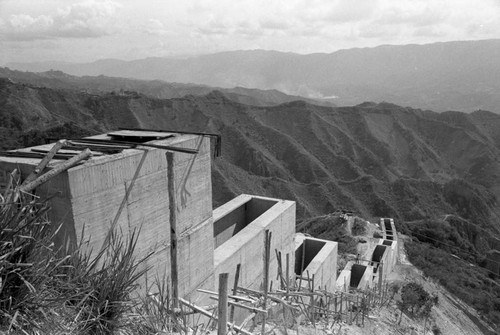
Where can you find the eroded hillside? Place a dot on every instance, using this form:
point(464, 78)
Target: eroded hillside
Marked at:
point(436, 174)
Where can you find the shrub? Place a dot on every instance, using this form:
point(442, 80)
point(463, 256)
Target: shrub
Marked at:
point(416, 300)
point(358, 227)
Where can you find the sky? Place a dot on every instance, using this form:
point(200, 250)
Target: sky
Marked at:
point(88, 30)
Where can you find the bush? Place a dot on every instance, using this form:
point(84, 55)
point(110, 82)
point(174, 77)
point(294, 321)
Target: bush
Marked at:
point(358, 227)
point(415, 300)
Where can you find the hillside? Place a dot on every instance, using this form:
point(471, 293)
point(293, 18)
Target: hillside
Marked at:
point(380, 159)
point(437, 174)
point(461, 76)
point(153, 88)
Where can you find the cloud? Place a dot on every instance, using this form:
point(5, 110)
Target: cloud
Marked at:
point(80, 20)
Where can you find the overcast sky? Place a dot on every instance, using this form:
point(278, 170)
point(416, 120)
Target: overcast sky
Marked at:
point(81, 31)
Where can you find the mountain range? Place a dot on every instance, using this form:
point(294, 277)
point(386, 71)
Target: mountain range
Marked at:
point(436, 174)
point(461, 76)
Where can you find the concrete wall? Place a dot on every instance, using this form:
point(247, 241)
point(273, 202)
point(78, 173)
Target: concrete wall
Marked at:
point(320, 260)
point(247, 246)
point(131, 190)
point(391, 255)
point(233, 220)
point(344, 279)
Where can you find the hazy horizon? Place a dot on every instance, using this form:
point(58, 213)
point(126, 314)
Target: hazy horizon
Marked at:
point(89, 30)
point(186, 56)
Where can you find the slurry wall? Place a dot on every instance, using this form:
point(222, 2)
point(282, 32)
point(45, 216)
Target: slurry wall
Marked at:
point(320, 260)
point(247, 245)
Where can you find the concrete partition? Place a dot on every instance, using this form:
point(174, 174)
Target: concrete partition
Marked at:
point(246, 247)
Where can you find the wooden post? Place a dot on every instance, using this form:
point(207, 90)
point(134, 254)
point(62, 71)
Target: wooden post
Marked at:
point(303, 259)
point(341, 303)
point(267, 247)
point(173, 227)
point(222, 311)
point(350, 311)
point(287, 275)
point(380, 278)
point(235, 289)
point(363, 305)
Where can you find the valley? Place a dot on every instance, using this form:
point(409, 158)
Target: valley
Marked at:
point(437, 174)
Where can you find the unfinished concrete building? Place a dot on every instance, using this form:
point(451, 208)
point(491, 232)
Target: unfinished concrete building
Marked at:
point(374, 267)
point(159, 182)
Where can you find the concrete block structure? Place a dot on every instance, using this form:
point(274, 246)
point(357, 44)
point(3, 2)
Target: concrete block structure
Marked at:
point(377, 263)
point(166, 194)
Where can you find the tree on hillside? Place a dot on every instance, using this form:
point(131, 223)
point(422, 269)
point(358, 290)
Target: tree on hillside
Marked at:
point(415, 300)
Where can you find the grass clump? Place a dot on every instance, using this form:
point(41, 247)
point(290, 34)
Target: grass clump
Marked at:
point(45, 289)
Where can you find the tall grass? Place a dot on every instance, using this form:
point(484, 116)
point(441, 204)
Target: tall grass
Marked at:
point(44, 289)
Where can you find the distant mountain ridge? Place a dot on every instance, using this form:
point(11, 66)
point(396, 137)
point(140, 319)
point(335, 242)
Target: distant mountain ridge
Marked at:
point(153, 88)
point(323, 157)
point(462, 76)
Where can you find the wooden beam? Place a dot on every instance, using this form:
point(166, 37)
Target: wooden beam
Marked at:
point(235, 297)
point(26, 188)
point(206, 313)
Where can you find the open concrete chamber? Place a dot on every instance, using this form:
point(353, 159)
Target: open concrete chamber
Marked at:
point(318, 258)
